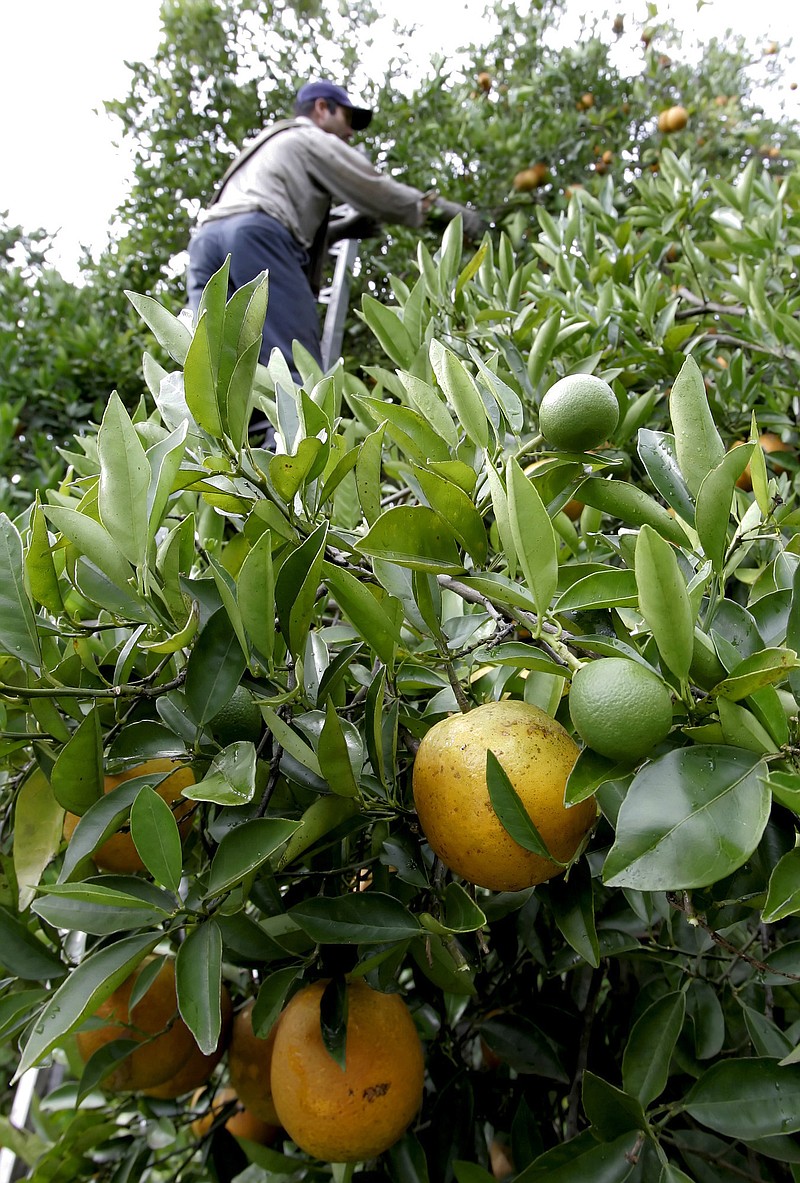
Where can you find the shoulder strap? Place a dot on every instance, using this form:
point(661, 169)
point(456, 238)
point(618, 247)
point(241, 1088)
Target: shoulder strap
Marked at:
point(246, 153)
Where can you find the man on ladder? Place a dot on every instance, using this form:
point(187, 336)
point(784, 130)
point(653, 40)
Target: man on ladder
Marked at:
point(271, 212)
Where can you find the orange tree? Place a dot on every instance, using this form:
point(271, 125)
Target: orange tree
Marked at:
point(405, 556)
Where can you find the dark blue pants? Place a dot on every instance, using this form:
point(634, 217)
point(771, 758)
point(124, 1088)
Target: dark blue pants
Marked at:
point(256, 242)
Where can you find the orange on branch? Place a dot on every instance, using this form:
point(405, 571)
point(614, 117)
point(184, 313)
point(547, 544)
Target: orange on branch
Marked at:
point(241, 1123)
point(250, 1064)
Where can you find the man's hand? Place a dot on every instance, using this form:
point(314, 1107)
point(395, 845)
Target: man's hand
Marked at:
point(475, 225)
point(354, 226)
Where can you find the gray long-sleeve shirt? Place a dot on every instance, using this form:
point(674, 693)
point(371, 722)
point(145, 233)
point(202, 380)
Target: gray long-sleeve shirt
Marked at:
point(296, 173)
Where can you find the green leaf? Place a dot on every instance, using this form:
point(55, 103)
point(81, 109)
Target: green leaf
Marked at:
point(391, 333)
point(198, 982)
point(39, 821)
point(714, 501)
point(534, 537)
point(199, 379)
point(610, 1110)
point(125, 478)
point(23, 955)
point(101, 820)
point(380, 628)
point(39, 566)
point(82, 993)
point(245, 849)
point(523, 1046)
point(368, 474)
point(408, 429)
point(761, 669)
point(613, 588)
point(77, 776)
point(255, 595)
point(460, 914)
point(747, 1098)
point(571, 901)
point(511, 812)
point(214, 669)
point(651, 1043)
point(413, 536)
point(631, 505)
point(290, 741)
point(287, 474)
point(18, 635)
point(431, 407)
point(333, 1019)
point(677, 809)
point(231, 777)
point(102, 911)
point(356, 918)
point(92, 540)
point(296, 589)
point(457, 511)
point(583, 1160)
point(664, 601)
point(164, 459)
point(461, 392)
point(783, 893)
point(156, 837)
point(167, 329)
point(271, 1000)
point(502, 519)
point(468, 1172)
point(334, 755)
point(590, 771)
point(697, 441)
point(657, 452)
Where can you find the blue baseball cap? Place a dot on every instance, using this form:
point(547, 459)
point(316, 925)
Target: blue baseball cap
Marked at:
point(361, 116)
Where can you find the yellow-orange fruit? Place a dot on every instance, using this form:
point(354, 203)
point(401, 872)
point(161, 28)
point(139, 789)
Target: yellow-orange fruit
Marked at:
point(531, 178)
point(153, 1021)
point(770, 444)
point(453, 803)
point(587, 101)
point(197, 1067)
point(673, 119)
point(118, 852)
point(485, 81)
point(241, 1123)
point(249, 1065)
point(500, 1159)
point(355, 1114)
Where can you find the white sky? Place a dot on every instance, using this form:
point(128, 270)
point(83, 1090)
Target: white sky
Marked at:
point(59, 60)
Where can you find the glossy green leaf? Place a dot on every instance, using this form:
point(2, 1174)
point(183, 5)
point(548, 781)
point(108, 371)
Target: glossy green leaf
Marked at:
point(714, 502)
point(93, 540)
point(742, 729)
point(613, 588)
point(534, 537)
point(461, 392)
point(288, 474)
point(77, 775)
point(766, 668)
point(199, 380)
point(214, 669)
point(39, 821)
point(664, 600)
point(271, 1000)
point(523, 656)
point(18, 635)
point(82, 993)
point(290, 741)
point(39, 566)
point(333, 1019)
point(378, 621)
point(245, 849)
point(231, 776)
point(334, 756)
point(409, 430)
point(523, 1046)
point(651, 1043)
point(458, 512)
point(793, 631)
point(101, 820)
point(677, 808)
point(164, 460)
point(511, 812)
point(571, 901)
point(610, 1110)
point(429, 404)
point(589, 772)
point(23, 955)
point(125, 478)
point(747, 1098)
point(657, 452)
point(783, 893)
point(413, 536)
point(631, 505)
point(356, 918)
point(100, 910)
point(296, 589)
point(198, 983)
point(697, 441)
point(156, 837)
point(318, 820)
point(168, 330)
point(389, 330)
point(368, 474)
point(255, 595)
point(584, 1160)
point(239, 395)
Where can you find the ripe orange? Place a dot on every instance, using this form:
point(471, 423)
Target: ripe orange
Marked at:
point(587, 101)
point(500, 1158)
point(485, 81)
point(673, 119)
point(249, 1065)
point(197, 1067)
point(770, 444)
point(241, 1123)
point(453, 803)
point(118, 852)
point(531, 178)
point(355, 1114)
point(154, 1022)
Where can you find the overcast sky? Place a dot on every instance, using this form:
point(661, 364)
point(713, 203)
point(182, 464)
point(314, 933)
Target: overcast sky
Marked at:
point(59, 60)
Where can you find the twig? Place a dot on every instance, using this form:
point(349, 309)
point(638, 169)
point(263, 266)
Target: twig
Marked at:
point(682, 903)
